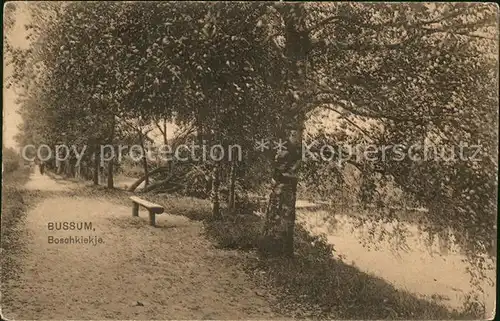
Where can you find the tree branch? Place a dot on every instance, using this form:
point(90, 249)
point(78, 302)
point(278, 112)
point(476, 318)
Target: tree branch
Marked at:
point(359, 111)
point(399, 24)
point(135, 129)
point(159, 127)
point(441, 19)
point(322, 23)
point(461, 33)
point(359, 46)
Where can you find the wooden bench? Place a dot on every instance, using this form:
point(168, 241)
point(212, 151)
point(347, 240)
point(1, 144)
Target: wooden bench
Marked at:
point(151, 207)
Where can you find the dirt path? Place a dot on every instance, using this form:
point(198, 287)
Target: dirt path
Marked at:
point(137, 272)
point(44, 183)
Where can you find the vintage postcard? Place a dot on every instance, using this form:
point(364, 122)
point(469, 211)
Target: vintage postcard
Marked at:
point(168, 160)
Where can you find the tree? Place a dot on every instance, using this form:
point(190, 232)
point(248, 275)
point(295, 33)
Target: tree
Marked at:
point(343, 58)
point(393, 74)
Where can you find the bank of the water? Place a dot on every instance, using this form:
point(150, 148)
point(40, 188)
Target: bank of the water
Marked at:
point(427, 268)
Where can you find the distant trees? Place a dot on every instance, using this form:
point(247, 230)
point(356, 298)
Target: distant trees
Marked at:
point(11, 160)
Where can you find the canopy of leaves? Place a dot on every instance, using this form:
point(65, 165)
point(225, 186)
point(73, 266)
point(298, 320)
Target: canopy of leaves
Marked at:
point(421, 73)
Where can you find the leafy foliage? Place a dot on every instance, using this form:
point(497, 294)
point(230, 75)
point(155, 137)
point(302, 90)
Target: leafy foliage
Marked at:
point(10, 160)
point(393, 74)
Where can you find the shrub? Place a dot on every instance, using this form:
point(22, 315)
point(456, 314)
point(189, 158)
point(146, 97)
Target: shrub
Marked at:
point(10, 160)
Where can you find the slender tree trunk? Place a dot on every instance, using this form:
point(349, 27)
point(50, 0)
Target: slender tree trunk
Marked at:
point(97, 166)
point(165, 138)
point(89, 170)
point(144, 162)
point(59, 165)
point(111, 162)
point(232, 185)
point(143, 178)
point(72, 165)
point(111, 184)
point(280, 215)
point(78, 170)
point(62, 170)
point(67, 168)
point(208, 185)
point(163, 130)
point(216, 174)
point(215, 194)
point(52, 163)
point(73, 169)
point(199, 130)
point(163, 183)
point(82, 170)
point(85, 171)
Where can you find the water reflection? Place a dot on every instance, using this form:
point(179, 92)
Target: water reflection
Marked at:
point(396, 247)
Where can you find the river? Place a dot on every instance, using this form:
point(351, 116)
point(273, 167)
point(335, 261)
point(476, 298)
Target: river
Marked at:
point(427, 268)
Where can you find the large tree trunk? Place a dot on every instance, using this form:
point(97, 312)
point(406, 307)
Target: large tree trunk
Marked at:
point(280, 215)
point(232, 185)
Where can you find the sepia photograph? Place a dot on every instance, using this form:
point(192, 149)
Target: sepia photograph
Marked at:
point(249, 160)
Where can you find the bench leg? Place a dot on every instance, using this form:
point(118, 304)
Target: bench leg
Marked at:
point(152, 219)
point(135, 209)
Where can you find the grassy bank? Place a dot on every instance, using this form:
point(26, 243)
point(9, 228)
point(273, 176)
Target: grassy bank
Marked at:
point(315, 284)
point(14, 200)
point(15, 203)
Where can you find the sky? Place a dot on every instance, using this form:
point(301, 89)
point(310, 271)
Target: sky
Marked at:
point(11, 119)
